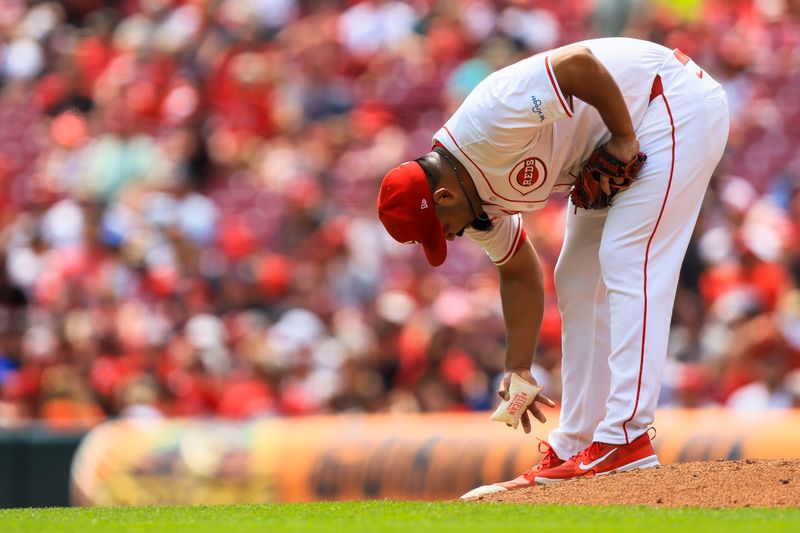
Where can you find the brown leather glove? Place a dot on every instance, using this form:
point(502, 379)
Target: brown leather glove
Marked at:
point(586, 192)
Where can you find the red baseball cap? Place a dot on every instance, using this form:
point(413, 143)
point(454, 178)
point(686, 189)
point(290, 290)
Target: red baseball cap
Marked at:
point(406, 210)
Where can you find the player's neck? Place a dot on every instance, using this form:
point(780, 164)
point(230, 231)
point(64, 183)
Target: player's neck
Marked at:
point(464, 180)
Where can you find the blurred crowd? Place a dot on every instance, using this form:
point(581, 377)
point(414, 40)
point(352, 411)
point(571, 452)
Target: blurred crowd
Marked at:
point(187, 206)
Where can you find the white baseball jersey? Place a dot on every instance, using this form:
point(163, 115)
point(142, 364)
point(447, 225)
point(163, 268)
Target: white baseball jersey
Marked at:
point(521, 140)
point(617, 272)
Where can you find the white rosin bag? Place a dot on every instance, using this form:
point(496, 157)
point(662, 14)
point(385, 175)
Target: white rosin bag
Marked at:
point(520, 395)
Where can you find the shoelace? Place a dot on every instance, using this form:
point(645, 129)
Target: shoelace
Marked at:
point(589, 453)
point(544, 464)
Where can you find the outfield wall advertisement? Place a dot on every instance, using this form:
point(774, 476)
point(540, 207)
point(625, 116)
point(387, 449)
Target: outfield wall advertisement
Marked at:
point(433, 456)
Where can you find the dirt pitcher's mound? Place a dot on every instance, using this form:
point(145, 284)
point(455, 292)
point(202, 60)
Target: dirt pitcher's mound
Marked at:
point(774, 483)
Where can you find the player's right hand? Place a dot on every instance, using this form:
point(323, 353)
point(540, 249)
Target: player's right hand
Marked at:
point(533, 408)
point(624, 149)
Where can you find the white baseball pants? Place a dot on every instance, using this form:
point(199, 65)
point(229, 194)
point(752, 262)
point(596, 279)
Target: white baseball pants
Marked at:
point(618, 270)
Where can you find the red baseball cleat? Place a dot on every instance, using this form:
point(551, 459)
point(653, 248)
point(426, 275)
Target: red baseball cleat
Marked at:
point(550, 460)
point(600, 458)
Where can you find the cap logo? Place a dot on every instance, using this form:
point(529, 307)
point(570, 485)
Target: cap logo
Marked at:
point(424, 204)
point(528, 175)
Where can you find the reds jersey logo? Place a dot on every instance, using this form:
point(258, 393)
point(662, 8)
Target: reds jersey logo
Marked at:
point(528, 175)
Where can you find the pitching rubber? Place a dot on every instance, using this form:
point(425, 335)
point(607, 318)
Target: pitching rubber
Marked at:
point(483, 491)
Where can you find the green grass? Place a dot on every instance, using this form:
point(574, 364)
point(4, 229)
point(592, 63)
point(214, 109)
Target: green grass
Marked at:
point(414, 517)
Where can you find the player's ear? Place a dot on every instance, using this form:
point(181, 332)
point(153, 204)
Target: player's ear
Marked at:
point(443, 196)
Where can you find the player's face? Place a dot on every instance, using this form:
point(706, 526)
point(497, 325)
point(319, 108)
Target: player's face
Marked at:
point(454, 217)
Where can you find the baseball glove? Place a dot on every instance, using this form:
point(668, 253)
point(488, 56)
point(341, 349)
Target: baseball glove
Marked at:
point(587, 194)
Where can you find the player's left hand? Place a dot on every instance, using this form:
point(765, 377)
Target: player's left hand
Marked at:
point(533, 408)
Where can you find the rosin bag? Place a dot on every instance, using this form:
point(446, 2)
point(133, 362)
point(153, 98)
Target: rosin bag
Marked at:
point(520, 395)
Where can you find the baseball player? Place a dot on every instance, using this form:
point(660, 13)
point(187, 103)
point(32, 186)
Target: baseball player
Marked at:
point(633, 131)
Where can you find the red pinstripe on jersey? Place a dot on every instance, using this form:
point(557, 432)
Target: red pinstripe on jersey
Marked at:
point(487, 179)
point(556, 88)
point(516, 244)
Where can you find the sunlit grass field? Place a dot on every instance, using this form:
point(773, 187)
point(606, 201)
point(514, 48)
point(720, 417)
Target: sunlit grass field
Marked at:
point(415, 517)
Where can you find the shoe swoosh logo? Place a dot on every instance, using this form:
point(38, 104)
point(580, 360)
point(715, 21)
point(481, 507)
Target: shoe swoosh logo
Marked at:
point(596, 461)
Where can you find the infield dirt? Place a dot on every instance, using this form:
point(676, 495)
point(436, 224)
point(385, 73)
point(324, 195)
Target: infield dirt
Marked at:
point(744, 483)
